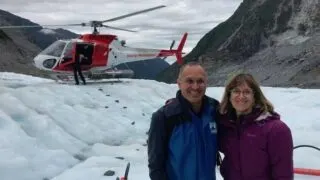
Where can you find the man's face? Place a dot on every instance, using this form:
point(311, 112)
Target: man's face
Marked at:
point(193, 83)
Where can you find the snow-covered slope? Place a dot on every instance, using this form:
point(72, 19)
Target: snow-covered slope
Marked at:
point(62, 132)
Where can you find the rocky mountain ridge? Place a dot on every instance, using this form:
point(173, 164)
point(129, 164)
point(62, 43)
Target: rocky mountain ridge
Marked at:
point(277, 41)
point(19, 46)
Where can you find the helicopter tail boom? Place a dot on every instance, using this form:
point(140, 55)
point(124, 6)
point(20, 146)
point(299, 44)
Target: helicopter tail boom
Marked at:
point(177, 52)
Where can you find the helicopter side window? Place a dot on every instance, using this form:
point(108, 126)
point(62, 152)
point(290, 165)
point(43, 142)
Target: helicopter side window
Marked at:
point(54, 49)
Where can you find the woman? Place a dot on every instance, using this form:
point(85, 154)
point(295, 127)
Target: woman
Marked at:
point(256, 144)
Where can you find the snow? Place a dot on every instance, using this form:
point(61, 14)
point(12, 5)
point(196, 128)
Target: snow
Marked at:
point(290, 37)
point(47, 31)
point(62, 131)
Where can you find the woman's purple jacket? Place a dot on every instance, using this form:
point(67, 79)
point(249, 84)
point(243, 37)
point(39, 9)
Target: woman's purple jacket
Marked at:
point(257, 146)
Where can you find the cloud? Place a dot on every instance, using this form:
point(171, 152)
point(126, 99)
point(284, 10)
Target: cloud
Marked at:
point(156, 28)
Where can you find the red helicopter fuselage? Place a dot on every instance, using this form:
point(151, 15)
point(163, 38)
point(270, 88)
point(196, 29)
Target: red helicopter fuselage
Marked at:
point(103, 52)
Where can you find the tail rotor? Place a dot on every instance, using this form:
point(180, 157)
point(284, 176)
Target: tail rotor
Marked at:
point(126, 173)
point(180, 47)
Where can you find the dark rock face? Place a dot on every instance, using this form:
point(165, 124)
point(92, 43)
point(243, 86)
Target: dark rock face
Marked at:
point(18, 47)
point(147, 69)
point(273, 39)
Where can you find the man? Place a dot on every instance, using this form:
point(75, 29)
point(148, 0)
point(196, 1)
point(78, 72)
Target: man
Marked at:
point(77, 68)
point(183, 135)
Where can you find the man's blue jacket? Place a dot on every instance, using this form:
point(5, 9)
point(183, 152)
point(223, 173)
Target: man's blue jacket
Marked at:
point(182, 145)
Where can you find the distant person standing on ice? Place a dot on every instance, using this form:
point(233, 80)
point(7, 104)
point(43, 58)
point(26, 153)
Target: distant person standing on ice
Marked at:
point(182, 143)
point(257, 145)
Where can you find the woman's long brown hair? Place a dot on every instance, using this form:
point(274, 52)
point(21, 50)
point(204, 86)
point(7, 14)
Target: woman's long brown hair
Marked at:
point(259, 98)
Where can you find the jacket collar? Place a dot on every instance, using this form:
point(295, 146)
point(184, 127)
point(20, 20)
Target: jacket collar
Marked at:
point(256, 116)
point(187, 106)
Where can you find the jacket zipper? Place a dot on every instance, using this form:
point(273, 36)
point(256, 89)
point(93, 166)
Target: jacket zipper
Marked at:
point(239, 145)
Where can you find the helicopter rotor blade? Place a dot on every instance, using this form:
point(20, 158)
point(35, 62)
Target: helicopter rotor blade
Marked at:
point(94, 24)
point(13, 27)
point(132, 14)
point(121, 29)
point(41, 26)
point(172, 44)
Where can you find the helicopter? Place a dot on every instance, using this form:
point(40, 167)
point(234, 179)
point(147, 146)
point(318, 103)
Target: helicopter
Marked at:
point(102, 52)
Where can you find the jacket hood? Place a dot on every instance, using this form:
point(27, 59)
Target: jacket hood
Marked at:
point(268, 116)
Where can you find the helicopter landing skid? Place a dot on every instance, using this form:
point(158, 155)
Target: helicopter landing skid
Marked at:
point(69, 79)
point(110, 74)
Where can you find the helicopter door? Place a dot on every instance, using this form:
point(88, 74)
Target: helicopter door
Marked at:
point(86, 50)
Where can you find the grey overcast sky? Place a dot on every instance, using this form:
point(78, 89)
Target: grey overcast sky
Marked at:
point(156, 28)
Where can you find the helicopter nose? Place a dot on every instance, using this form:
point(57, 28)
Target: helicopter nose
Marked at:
point(45, 62)
point(37, 62)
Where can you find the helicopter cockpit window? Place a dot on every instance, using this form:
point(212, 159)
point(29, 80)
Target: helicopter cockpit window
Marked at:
point(54, 49)
point(67, 54)
point(68, 51)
